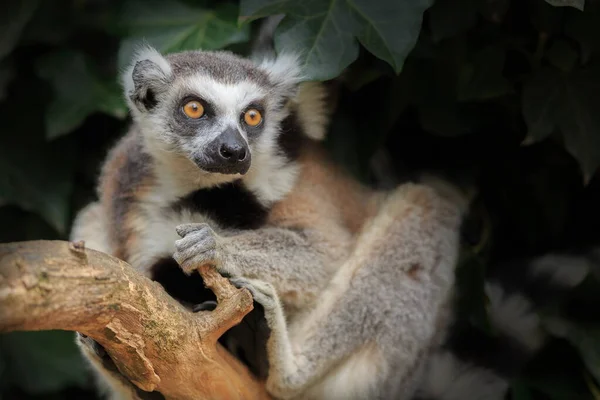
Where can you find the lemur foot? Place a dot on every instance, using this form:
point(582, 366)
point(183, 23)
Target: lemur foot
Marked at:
point(197, 246)
point(262, 292)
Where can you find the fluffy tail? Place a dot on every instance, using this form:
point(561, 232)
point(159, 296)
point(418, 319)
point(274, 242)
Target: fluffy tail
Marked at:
point(472, 364)
point(263, 45)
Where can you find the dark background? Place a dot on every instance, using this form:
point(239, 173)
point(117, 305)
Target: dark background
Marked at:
point(500, 94)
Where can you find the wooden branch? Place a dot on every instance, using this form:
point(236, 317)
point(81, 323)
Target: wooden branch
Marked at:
point(153, 340)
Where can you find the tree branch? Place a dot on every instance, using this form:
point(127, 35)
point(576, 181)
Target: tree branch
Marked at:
point(153, 340)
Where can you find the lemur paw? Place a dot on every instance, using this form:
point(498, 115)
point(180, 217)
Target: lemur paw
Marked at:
point(262, 292)
point(197, 247)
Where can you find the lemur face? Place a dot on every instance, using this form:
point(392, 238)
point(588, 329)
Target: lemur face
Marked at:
point(213, 108)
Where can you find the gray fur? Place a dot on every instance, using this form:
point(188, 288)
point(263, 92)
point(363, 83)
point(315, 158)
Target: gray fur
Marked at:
point(273, 254)
point(223, 66)
point(406, 287)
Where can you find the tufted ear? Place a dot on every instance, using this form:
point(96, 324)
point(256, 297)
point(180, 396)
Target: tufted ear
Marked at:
point(147, 76)
point(284, 73)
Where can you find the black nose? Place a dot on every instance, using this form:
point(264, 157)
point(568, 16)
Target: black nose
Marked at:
point(227, 154)
point(232, 152)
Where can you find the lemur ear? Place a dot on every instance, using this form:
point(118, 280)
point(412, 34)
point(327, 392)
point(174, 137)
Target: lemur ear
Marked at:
point(148, 74)
point(284, 73)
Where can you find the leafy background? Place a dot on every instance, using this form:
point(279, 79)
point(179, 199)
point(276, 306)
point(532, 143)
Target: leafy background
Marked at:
point(503, 94)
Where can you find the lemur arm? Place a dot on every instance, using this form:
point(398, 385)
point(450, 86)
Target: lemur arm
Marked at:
point(299, 263)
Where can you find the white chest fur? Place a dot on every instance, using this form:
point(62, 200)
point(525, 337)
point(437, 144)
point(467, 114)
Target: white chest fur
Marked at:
point(157, 235)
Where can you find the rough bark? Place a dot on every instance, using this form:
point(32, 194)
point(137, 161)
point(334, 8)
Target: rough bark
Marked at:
point(155, 342)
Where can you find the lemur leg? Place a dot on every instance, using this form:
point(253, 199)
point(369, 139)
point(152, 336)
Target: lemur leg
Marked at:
point(383, 304)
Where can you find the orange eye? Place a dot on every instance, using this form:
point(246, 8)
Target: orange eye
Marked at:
point(193, 109)
point(252, 117)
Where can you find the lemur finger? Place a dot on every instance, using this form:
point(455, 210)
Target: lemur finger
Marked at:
point(184, 229)
point(262, 292)
point(191, 260)
point(195, 243)
point(208, 305)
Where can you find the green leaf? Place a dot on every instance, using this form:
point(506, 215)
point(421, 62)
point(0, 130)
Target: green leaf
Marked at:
point(578, 4)
point(558, 373)
point(171, 26)
point(448, 18)
point(38, 178)
point(77, 92)
point(541, 98)
point(482, 79)
point(389, 29)
point(41, 362)
point(585, 29)
point(547, 19)
point(587, 341)
point(567, 103)
point(325, 33)
point(562, 55)
point(14, 16)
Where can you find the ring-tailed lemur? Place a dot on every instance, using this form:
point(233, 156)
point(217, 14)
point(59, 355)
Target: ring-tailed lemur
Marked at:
point(218, 139)
point(215, 140)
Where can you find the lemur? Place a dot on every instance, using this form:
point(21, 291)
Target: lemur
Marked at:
point(221, 166)
point(216, 138)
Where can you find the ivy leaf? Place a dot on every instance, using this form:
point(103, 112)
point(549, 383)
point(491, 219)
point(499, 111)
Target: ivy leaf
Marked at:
point(14, 16)
point(585, 29)
point(562, 55)
point(586, 339)
point(566, 102)
point(77, 93)
point(541, 98)
point(389, 29)
point(557, 373)
point(547, 19)
point(41, 362)
point(588, 343)
point(171, 26)
point(482, 79)
point(325, 33)
point(578, 4)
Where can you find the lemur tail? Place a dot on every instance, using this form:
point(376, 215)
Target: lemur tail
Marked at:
point(471, 364)
point(263, 45)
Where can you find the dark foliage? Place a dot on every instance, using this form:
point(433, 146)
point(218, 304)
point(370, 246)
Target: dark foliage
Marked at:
point(501, 94)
